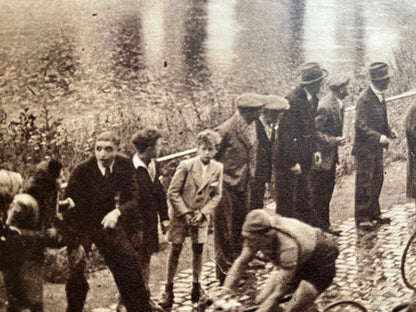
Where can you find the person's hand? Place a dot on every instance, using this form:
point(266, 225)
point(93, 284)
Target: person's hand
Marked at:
point(384, 140)
point(188, 219)
point(296, 169)
point(52, 233)
point(197, 218)
point(230, 305)
point(317, 158)
point(341, 141)
point(165, 226)
point(110, 219)
point(14, 230)
point(66, 204)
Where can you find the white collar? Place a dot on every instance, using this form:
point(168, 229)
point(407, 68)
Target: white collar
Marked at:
point(377, 92)
point(151, 168)
point(341, 104)
point(308, 95)
point(102, 168)
point(137, 162)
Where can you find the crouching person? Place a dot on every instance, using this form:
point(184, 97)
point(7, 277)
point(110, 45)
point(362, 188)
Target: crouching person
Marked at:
point(194, 192)
point(304, 255)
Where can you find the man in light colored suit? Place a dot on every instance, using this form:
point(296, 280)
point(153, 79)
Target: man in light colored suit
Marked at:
point(372, 134)
point(328, 123)
point(194, 192)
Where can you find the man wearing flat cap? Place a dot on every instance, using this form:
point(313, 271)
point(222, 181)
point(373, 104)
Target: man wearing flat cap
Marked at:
point(372, 134)
point(329, 123)
point(304, 255)
point(245, 152)
point(296, 138)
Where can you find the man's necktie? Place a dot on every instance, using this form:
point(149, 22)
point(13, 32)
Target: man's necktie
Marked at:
point(273, 135)
point(107, 173)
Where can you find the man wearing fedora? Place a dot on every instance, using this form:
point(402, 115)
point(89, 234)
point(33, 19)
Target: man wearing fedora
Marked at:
point(246, 159)
point(372, 134)
point(296, 138)
point(329, 123)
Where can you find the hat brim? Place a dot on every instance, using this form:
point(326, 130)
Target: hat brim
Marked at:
point(324, 75)
point(382, 78)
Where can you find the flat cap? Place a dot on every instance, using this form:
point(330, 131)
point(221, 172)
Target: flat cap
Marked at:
point(336, 81)
point(275, 102)
point(256, 220)
point(249, 100)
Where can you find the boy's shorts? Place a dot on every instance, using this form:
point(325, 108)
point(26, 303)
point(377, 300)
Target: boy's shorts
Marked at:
point(179, 230)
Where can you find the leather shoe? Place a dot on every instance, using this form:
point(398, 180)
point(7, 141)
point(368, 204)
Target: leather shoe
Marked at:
point(166, 300)
point(381, 220)
point(366, 225)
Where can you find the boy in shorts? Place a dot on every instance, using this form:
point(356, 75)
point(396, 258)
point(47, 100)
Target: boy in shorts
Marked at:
point(194, 192)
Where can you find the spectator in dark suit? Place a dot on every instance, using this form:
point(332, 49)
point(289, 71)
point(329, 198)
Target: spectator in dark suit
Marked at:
point(410, 126)
point(271, 114)
point(103, 188)
point(244, 176)
point(372, 134)
point(296, 137)
point(329, 122)
point(151, 198)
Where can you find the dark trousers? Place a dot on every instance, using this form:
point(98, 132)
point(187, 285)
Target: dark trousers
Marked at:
point(123, 262)
point(284, 184)
point(228, 220)
point(302, 208)
point(321, 186)
point(256, 192)
point(368, 184)
point(24, 286)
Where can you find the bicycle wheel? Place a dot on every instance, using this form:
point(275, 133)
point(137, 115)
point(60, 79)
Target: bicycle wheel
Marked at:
point(345, 305)
point(401, 307)
point(408, 264)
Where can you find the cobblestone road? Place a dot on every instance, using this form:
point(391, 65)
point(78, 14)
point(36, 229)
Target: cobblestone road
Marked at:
point(368, 267)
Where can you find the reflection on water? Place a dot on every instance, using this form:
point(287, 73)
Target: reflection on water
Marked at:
point(128, 60)
point(195, 21)
point(296, 33)
point(204, 48)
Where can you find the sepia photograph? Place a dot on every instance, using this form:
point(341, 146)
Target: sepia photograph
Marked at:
point(207, 155)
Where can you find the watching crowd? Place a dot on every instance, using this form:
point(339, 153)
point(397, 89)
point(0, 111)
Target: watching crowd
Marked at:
point(286, 145)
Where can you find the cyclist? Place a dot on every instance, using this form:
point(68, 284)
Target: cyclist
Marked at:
point(304, 255)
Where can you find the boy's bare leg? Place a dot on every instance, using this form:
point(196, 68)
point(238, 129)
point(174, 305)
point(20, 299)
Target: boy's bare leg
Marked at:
point(173, 259)
point(197, 261)
point(166, 300)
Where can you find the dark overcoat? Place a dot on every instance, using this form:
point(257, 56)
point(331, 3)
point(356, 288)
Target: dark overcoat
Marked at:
point(410, 126)
point(295, 144)
point(152, 205)
point(93, 200)
point(370, 124)
point(328, 123)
